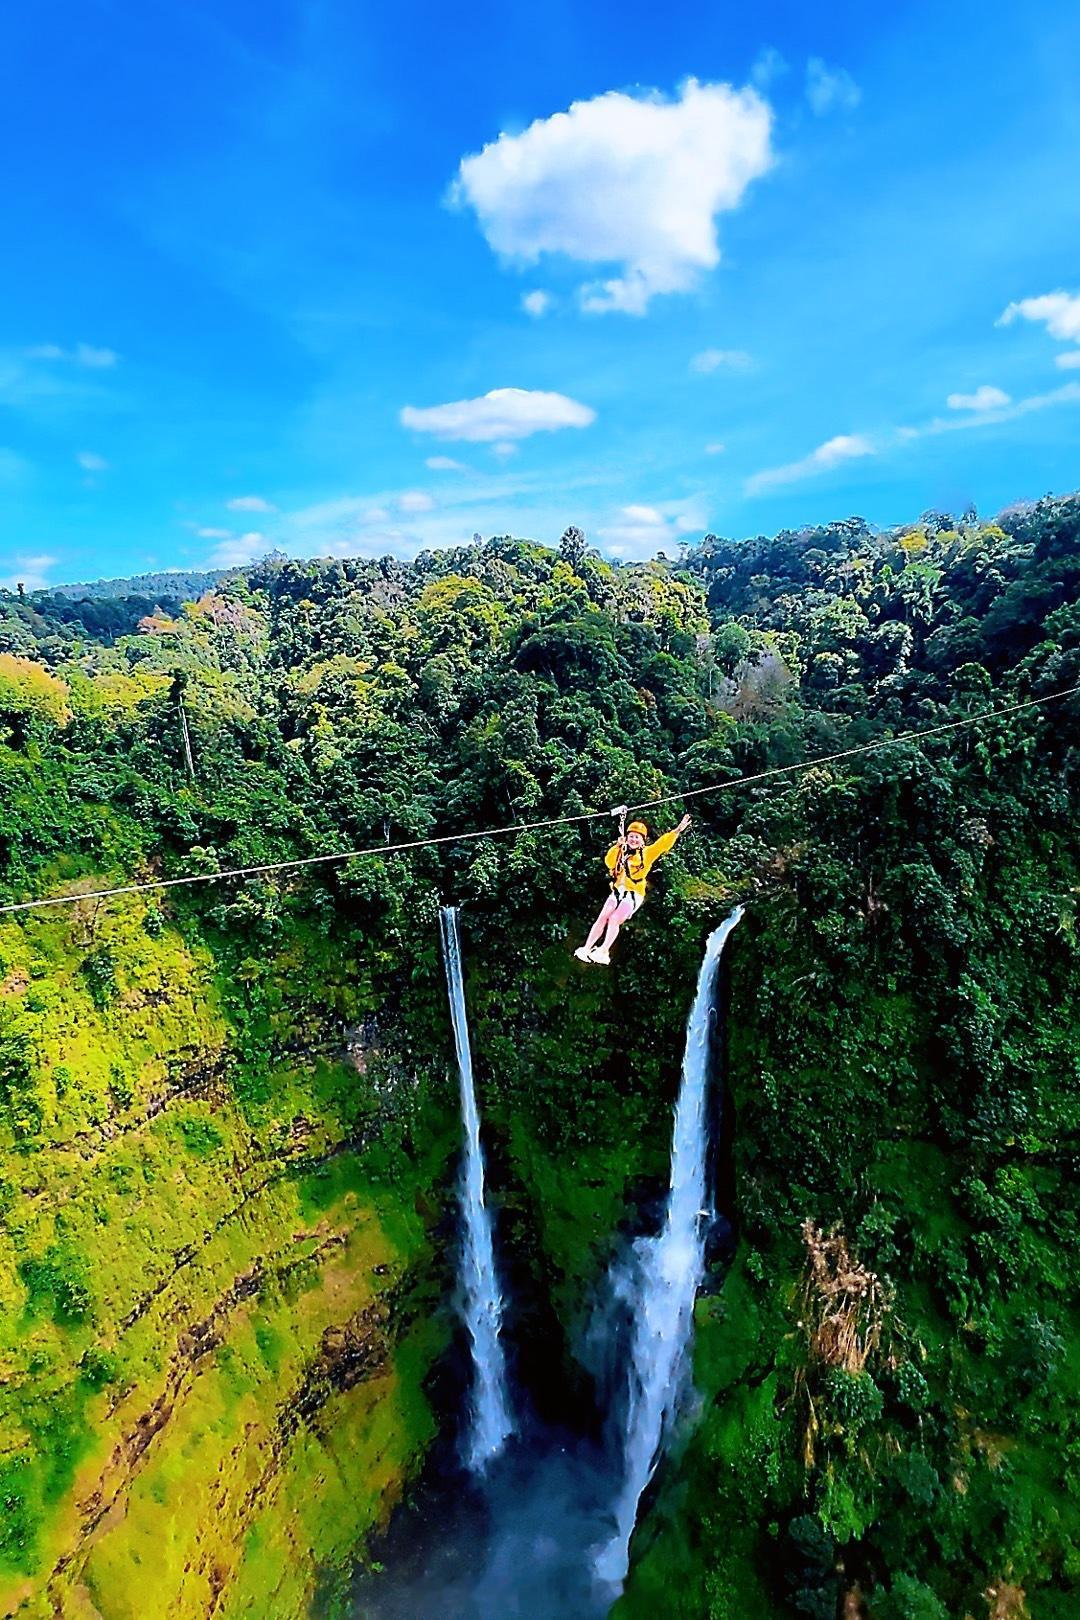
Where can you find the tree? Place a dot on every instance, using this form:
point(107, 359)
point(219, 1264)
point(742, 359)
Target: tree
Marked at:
point(573, 546)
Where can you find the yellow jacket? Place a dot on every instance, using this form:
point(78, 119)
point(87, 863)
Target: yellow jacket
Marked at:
point(638, 862)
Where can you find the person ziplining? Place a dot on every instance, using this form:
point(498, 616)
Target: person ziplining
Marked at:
point(629, 862)
point(636, 830)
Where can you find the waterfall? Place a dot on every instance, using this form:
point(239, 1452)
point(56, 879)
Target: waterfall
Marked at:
point(668, 1272)
point(489, 1419)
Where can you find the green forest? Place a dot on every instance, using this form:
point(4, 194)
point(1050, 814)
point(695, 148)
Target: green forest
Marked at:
point(229, 1134)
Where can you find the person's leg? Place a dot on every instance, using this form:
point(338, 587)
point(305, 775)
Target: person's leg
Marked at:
point(598, 926)
point(622, 913)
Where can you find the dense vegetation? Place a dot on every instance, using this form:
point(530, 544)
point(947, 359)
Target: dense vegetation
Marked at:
point(183, 584)
point(890, 1364)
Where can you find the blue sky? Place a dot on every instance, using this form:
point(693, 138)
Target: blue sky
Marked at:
point(351, 279)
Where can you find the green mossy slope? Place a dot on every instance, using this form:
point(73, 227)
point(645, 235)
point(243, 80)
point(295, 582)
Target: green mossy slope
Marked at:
point(218, 1283)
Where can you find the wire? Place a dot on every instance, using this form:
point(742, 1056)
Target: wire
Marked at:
point(863, 748)
point(535, 826)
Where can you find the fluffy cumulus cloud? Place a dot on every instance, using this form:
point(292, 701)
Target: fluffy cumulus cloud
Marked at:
point(1069, 361)
point(635, 182)
point(720, 359)
point(91, 462)
point(536, 303)
point(29, 572)
point(985, 398)
point(250, 503)
point(83, 354)
point(415, 500)
point(503, 414)
point(844, 447)
point(830, 89)
point(1059, 312)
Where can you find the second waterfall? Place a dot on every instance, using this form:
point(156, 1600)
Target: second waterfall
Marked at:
point(490, 1424)
point(668, 1272)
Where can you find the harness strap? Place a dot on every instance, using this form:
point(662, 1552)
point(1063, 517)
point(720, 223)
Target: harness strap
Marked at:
point(622, 811)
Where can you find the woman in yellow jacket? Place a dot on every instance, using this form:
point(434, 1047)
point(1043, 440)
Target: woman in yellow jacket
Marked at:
point(629, 861)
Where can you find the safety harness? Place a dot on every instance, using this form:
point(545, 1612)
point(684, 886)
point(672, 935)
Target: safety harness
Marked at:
point(625, 856)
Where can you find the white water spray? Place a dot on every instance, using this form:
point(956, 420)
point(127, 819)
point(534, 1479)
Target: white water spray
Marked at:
point(669, 1271)
point(490, 1425)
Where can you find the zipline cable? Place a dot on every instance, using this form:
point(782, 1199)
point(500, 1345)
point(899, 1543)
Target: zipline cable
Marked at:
point(296, 863)
point(863, 748)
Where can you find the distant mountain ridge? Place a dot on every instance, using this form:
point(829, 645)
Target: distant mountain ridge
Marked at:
point(186, 584)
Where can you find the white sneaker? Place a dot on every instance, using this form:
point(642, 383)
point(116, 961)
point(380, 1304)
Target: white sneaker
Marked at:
point(583, 954)
point(600, 956)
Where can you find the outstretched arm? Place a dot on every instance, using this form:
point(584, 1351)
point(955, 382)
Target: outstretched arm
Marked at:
point(665, 842)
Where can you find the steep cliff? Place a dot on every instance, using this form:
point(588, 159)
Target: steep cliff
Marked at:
point(219, 1280)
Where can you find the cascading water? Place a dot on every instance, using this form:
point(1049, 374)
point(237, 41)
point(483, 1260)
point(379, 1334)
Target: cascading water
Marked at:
point(669, 1270)
point(490, 1424)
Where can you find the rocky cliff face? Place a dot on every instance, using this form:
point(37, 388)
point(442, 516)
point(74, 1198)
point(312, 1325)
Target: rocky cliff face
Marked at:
point(217, 1276)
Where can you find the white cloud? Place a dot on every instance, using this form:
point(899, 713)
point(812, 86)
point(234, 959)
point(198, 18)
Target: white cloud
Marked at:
point(415, 500)
point(30, 573)
point(769, 66)
point(712, 360)
point(830, 89)
point(96, 359)
point(444, 464)
point(536, 303)
point(1067, 394)
point(631, 181)
point(504, 449)
point(1059, 312)
point(83, 354)
point(715, 448)
point(844, 447)
point(376, 514)
point(638, 531)
point(985, 398)
point(214, 534)
point(48, 379)
point(504, 413)
point(91, 462)
point(239, 550)
point(1069, 361)
point(250, 503)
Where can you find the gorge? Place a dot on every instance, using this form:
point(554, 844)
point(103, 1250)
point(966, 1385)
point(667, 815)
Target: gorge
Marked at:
point(231, 1361)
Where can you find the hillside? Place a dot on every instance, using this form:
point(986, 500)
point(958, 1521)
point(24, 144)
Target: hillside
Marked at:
point(227, 1137)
